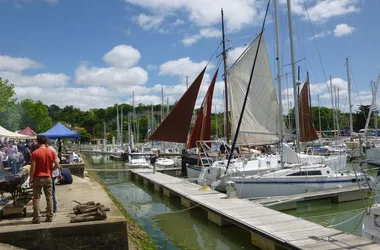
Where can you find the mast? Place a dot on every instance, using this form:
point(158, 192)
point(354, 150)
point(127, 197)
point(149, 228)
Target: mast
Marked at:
point(349, 97)
point(294, 77)
point(105, 135)
point(226, 125)
point(162, 103)
point(372, 104)
point(216, 123)
point(287, 94)
point(319, 115)
point(332, 104)
point(117, 124)
point(133, 115)
point(375, 115)
point(121, 125)
point(279, 81)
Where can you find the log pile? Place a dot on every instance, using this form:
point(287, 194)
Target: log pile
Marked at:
point(89, 211)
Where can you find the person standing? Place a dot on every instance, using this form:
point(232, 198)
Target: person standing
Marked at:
point(41, 177)
point(12, 157)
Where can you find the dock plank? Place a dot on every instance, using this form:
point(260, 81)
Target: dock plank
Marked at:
point(282, 229)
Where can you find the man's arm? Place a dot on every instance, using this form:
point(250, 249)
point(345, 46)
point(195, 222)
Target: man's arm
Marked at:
point(32, 169)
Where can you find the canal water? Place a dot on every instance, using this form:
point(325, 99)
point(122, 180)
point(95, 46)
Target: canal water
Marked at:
point(172, 227)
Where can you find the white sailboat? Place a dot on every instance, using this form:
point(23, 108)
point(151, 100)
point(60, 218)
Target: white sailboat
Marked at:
point(304, 173)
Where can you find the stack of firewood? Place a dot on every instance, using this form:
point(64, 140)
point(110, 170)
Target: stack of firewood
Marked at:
point(89, 211)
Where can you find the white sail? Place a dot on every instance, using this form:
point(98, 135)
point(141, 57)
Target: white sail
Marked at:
point(261, 114)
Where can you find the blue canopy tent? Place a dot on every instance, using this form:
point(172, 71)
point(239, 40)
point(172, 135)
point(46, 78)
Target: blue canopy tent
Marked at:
point(60, 131)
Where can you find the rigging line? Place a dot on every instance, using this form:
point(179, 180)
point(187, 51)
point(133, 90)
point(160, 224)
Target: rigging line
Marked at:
point(340, 223)
point(239, 38)
point(216, 50)
point(332, 214)
point(316, 45)
point(247, 92)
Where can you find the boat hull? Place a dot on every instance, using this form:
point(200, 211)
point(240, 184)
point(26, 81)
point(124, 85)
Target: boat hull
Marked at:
point(269, 187)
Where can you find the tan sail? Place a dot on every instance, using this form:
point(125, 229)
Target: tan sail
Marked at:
point(175, 126)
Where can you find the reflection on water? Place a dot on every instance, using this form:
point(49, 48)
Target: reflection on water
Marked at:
point(171, 228)
point(345, 216)
point(170, 225)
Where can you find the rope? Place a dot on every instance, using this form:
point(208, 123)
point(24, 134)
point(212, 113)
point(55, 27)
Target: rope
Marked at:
point(176, 212)
point(332, 214)
point(335, 225)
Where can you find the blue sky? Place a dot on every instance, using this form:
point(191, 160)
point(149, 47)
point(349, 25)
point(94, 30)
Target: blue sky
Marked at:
point(95, 53)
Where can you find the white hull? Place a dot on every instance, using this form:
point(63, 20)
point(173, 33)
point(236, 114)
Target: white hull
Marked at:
point(371, 225)
point(269, 187)
point(295, 180)
point(237, 168)
point(164, 163)
point(193, 171)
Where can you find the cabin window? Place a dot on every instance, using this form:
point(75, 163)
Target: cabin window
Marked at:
point(305, 173)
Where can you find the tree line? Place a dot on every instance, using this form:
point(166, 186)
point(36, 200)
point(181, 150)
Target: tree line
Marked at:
point(16, 115)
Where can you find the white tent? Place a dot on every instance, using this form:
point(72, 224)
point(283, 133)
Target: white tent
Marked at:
point(6, 133)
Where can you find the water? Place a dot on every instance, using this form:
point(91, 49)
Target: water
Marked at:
point(170, 225)
point(171, 228)
point(345, 216)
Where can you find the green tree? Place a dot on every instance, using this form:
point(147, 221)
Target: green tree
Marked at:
point(6, 93)
point(36, 115)
point(84, 135)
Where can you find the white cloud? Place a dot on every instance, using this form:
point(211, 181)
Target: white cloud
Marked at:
point(183, 67)
point(321, 34)
point(121, 59)
point(326, 9)
point(178, 22)
point(203, 33)
point(42, 80)
point(190, 40)
point(149, 22)
point(210, 33)
point(151, 67)
point(17, 64)
point(122, 56)
point(323, 10)
point(238, 13)
point(83, 98)
point(110, 76)
point(343, 30)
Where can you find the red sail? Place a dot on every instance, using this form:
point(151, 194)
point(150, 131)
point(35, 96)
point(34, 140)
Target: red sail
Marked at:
point(175, 126)
point(202, 126)
point(307, 130)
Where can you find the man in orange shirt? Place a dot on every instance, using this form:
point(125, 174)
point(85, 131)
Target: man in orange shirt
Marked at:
point(40, 177)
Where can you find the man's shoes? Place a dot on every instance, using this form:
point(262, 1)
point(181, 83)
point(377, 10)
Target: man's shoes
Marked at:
point(49, 219)
point(36, 221)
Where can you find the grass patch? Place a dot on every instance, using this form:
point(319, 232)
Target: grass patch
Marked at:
point(137, 237)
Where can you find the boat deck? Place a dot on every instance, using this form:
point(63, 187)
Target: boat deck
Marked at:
point(269, 229)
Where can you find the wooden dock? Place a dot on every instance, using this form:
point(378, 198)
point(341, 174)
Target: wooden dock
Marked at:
point(269, 229)
point(282, 203)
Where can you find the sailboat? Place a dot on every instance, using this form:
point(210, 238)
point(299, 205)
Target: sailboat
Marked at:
point(294, 177)
point(201, 133)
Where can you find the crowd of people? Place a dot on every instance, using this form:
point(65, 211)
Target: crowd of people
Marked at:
point(42, 161)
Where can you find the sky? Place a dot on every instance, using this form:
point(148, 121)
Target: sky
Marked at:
point(96, 53)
